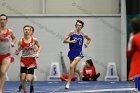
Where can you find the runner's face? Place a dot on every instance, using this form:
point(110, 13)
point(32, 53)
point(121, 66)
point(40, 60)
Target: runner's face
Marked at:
point(27, 31)
point(3, 20)
point(78, 26)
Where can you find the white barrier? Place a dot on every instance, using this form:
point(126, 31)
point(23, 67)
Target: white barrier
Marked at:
point(111, 74)
point(54, 72)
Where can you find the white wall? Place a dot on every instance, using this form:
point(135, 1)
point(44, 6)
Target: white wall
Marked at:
point(22, 6)
point(59, 6)
point(105, 46)
point(76, 6)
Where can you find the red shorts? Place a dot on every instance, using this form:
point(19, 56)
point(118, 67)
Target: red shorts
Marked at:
point(29, 62)
point(4, 56)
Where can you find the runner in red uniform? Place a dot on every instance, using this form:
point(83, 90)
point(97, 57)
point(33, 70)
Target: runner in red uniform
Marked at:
point(31, 85)
point(29, 54)
point(5, 56)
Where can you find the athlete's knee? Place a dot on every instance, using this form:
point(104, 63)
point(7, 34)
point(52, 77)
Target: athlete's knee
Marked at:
point(23, 79)
point(30, 78)
point(71, 66)
point(3, 73)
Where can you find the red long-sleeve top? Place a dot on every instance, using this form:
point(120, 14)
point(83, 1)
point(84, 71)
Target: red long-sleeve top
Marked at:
point(89, 71)
point(134, 53)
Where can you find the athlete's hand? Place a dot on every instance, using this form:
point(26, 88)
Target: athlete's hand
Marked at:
point(16, 52)
point(12, 44)
point(74, 41)
point(36, 55)
point(85, 45)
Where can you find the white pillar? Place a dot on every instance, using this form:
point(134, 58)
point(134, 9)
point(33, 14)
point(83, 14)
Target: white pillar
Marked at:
point(123, 41)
